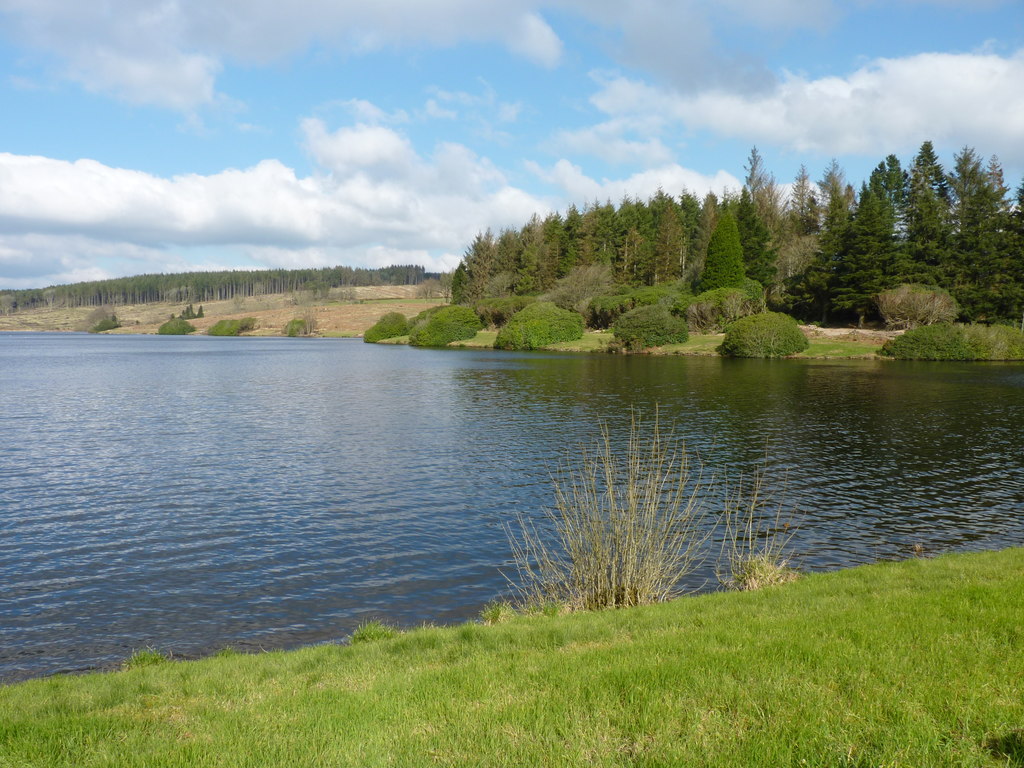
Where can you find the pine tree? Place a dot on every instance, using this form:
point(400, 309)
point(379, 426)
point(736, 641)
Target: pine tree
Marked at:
point(723, 267)
point(926, 220)
point(867, 260)
point(980, 268)
point(758, 255)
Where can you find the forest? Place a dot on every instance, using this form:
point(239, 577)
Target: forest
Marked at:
point(207, 286)
point(822, 251)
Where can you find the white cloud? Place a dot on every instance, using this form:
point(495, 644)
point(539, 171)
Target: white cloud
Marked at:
point(608, 141)
point(169, 53)
point(889, 105)
point(670, 178)
point(374, 199)
point(535, 40)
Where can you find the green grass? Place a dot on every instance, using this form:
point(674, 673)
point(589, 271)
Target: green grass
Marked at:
point(834, 348)
point(483, 339)
point(918, 663)
point(697, 344)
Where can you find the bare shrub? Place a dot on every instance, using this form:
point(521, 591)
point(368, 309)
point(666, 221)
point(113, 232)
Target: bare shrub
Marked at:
point(312, 323)
point(429, 289)
point(575, 290)
point(627, 527)
point(756, 538)
point(911, 306)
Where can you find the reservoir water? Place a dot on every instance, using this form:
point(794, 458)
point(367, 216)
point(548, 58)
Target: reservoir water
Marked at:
point(190, 494)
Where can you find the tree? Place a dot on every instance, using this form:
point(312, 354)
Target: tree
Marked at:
point(723, 267)
point(758, 255)
point(867, 255)
point(811, 291)
point(926, 219)
point(981, 267)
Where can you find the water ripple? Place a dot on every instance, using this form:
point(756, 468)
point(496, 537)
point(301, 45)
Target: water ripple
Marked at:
point(192, 494)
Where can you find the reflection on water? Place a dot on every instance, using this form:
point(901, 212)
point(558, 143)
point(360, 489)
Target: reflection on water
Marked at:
point(195, 493)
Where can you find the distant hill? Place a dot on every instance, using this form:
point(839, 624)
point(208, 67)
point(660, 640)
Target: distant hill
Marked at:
point(207, 286)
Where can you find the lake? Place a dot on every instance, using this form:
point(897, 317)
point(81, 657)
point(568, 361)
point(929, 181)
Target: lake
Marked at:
point(194, 493)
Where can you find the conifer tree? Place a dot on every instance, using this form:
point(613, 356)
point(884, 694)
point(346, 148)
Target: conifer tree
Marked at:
point(723, 267)
point(758, 255)
point(926, 219)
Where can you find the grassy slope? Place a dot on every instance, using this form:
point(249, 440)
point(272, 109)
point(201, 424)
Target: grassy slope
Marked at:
point(918, 663)
point(698, 344)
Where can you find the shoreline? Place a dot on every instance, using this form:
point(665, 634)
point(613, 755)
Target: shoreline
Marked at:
point(798, 672)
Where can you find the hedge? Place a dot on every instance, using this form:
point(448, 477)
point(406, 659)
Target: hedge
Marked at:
point(538, 325)
point(766, 334)
point(387, 327)
point(652, 325)
point(445, 325)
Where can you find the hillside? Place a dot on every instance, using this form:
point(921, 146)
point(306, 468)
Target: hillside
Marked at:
point(344, 312)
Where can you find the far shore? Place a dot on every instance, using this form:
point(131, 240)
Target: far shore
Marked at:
point(349, 315)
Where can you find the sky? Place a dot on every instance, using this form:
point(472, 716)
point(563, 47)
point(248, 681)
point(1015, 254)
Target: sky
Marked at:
point(141, 136)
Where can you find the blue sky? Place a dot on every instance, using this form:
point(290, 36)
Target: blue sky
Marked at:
point(170, 135)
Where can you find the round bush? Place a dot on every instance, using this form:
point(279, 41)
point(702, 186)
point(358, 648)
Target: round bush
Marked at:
point(944, 341)
point(995, 342)
point(650, 325)
point(538, 325)
point(497, 312)
point(712, 311)
point(176, 327)
point(767, 334)
point(941, 341)
point(445, 325)
point(909, 306)
point(231, 327)
point(387, 327)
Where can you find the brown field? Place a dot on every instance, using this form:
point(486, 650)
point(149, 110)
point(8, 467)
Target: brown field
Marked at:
point(335, 316)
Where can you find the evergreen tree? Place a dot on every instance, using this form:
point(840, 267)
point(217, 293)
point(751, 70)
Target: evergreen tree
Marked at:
point(811, 291)
point(867, 263)
point(723, 267)
point(706, 227)
point(981, 267)
point(758, 255)
point(670, 239)
point(926, 220)
point(481, 262)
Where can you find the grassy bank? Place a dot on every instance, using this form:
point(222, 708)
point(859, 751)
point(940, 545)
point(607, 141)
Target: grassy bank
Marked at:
point(697, 344)
point(898, 664)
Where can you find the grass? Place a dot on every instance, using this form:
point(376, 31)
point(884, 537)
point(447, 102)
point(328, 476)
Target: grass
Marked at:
point(627, 525)
point(841, 349)
point(482, 340)
point(916, 663)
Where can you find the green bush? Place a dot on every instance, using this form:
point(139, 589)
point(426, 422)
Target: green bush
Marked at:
point(296, 327)
point(766, 334)
point(445, 325)
point(711, 311)
point(538, 325)
point(496, 312)
point(387, 327)
point(604, 311)
point(106, 324)
point(941, 341)
point(232, 327)
point(176, 327)
point(944, 341)
point(651, 325)
point(996, 342)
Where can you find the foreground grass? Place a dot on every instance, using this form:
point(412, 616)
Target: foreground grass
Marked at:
point(918, 663)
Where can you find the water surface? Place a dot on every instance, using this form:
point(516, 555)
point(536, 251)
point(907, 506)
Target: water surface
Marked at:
point(193, 493)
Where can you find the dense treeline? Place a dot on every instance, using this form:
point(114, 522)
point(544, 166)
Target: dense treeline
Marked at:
point(208, 286)
point(823, 251)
